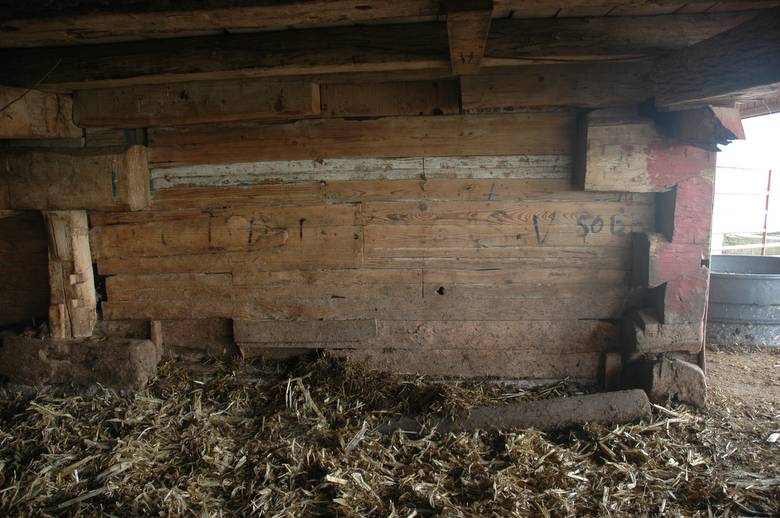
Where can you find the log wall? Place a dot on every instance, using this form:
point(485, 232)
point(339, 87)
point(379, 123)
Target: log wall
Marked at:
point(452, 244)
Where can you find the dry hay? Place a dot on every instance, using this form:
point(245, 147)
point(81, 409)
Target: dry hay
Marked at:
point(297, 440)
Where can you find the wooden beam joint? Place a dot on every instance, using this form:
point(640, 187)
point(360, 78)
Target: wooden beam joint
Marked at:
point(468, 25)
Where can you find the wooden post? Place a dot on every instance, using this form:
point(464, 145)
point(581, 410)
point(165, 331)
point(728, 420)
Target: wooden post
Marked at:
point(72, 313)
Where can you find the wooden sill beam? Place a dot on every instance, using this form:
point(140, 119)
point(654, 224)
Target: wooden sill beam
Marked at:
point(350, 50)
point(737, 65)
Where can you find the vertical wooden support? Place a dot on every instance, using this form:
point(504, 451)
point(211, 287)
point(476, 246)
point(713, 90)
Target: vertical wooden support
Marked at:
point(468, 25)
point(72, 313)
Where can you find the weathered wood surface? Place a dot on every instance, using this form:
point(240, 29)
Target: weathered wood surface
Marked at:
point(607, 36)
point(742, 63)
point(315, 332)
point(24, 286)
point(35, 115)
point(31, 24)
point(196, 102)
point(73, 303)
point(551, 336)
point(625, 153)
point(356, 191)
point(72, 178)
point(582, 85)
point(283, 53)
point(423, 169)
point(506, 134)
point(506, 363)
point(374, 48)
point(345, 99)
point(468, 25)
point(184, 241)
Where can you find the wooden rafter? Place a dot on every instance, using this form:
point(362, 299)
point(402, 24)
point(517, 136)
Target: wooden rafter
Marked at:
point(740, 64)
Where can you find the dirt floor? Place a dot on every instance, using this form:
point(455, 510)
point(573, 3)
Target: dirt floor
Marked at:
point(299, 439)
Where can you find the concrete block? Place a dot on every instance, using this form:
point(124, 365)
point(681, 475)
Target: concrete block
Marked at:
point(119, 363)
point(670, 378)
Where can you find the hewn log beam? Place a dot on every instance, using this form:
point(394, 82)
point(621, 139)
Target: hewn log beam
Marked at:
point(195, 102)
point(32, 114)
point(468, 24)
point(582, 85)
point(739, 64)
point(74, 178)
point(75, 22)
point(379, 48)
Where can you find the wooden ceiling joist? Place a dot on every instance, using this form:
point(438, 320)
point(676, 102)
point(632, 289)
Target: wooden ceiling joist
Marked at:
point(468, 25)
point(40, 23)
point(340, 50)
point(740, 64)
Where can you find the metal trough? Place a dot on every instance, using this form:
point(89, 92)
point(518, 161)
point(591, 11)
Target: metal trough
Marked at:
point(744, 306)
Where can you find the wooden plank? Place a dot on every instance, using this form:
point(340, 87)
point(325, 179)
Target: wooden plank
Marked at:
point(72, 313)
point(484, 190)
point(316, 247)
point(476, 240)
point(596, 302)
point(591, 85)
point(621, 152)
point(356, 49)
point(365, 285)
point(330, 215)
point(32, 114)
point(278, 171)
point(90, 178)
point(64, 23)
point(511, 134)
point(740, 64)
point(468, 25)
point(368, 169)
point(544, 216)
point(434, 189)
point(282, 284)
point(305, 193)
point(532, 365)
point(144, 106)
point(515, 40)
point(317, 331)
point(251, 230)
point(392, 98)
point(561, 336)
